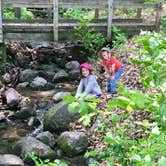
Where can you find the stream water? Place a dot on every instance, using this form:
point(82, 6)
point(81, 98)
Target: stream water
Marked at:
point(12, 130)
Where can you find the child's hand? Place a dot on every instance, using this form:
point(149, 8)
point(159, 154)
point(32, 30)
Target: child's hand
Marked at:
point(112, 77)
point(107, 75)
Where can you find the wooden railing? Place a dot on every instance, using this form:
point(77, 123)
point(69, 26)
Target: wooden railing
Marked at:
point(53, 28)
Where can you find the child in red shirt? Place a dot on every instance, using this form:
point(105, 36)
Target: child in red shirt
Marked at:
point(113, 69)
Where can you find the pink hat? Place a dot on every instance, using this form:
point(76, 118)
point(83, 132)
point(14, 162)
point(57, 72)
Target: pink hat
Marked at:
point(86, 66)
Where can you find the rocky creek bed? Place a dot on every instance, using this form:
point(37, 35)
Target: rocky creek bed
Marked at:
point(33, 116)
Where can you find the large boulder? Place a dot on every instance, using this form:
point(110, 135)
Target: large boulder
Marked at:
point(31, 144)
point(58, 118)
point(73, 143)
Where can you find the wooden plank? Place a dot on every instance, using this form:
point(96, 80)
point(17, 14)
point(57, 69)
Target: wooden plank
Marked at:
point(76, 3)
point(1, 31)
point(28, 37)
point(27, 3)
point(55, 20)
point(158, 14)
point(110, 15)
point(48, 27)
point(83, 3)
point(62, 20)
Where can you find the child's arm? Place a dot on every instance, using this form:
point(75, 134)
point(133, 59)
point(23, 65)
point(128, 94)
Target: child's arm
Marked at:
point(80, 88)
point(112, 71)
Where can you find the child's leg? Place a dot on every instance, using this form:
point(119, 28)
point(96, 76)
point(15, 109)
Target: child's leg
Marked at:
point(108, 84)
point(116, 78)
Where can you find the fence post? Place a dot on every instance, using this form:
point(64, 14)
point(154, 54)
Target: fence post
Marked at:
point(55, 20)
point(17, 12)
point(158, 15)
point(1, 31)
point(110, 14)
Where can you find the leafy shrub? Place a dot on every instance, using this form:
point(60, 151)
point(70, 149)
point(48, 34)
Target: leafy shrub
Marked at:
point(9, 13)
point(38, 162)
point(163, 23)
point(117, 37)
point(91, 40)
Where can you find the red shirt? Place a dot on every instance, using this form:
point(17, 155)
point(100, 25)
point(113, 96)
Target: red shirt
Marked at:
point(109, 63)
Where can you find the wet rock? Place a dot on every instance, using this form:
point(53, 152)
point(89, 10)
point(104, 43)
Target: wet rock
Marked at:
point(59, 96)
point(60, 76)
point(72, 65)
point(22, 85)
point(2, 116)
point(47, 138)
point(12, 98)
point(30, 144)
point(73, 143)
point(28, 75)
point(10, 160)
point(26, 109)
point(58, 118)
point(74, 74)
point(38, 82)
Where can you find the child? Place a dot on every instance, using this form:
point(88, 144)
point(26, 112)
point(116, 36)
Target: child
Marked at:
point(88, 84)
point(113, 69)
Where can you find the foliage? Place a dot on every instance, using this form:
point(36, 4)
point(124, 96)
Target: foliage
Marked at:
point(9, 13)
point(117, 37)
point(25, 14)
point(91, 40)
point(163, 23)
point(38, 162)
point(87, 108)
point(120, 147)
point(78, 13)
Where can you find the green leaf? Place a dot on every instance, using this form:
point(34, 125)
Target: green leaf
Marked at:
point(72, 106)
point(69, 99)
point(155, 130)
point(162, 161)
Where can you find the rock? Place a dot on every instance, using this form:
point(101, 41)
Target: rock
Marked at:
point(47, 138)
point(60, 76)
point(72, 65)
point(12, 98)
point(74, 74)
point(2, 116)
point(58, 118)
point(73, 143)
point(10, 160)
point(38, 82)
point(30, 144)
point(59, 96)
point(22, 85)
point(26, 109)
point(28, 75)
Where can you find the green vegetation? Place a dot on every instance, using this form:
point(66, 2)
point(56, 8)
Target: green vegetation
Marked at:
point(8, 13)
point(117, 37)
point(91, 39)
point(121, 145)
point(39, 162)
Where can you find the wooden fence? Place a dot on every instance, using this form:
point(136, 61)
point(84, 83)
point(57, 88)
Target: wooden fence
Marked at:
point(53, 28)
